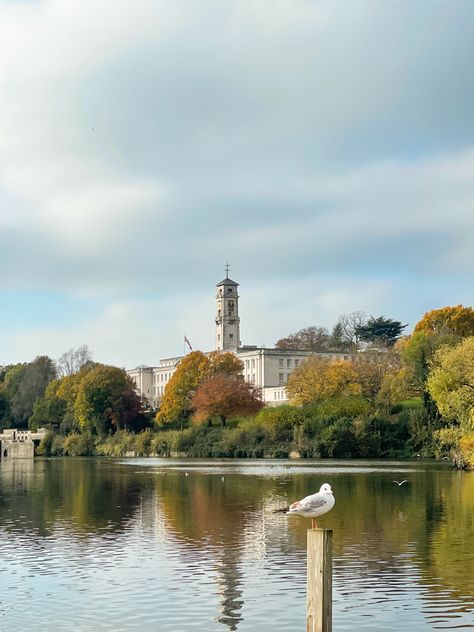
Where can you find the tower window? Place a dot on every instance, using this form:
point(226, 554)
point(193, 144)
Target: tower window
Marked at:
point(229, 290)
point(280, 362)
point(288, 363)
point(280, 379)
point(231, 335)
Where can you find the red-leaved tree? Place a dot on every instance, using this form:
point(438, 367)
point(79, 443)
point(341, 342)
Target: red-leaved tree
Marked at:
point(224, 396)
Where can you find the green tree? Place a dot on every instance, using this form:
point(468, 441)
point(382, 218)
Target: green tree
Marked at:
point(49, 410)
point(106, 401)
point(25, 384)
point(380, 331)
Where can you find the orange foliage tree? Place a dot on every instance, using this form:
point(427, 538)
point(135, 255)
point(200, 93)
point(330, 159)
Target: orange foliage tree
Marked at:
point(457, 321)
point(224, 396)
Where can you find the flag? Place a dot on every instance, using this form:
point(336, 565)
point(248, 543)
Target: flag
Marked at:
point(188, 343)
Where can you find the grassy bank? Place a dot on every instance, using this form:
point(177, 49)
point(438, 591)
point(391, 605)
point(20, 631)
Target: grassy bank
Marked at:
point(344, 428)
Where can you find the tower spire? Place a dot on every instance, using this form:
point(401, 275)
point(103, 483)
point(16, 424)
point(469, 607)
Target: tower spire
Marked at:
point(226, 269)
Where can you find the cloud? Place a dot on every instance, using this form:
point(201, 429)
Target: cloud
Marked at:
point(319, 144)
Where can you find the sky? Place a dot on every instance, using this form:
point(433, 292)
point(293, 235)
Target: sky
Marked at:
point(325, 148)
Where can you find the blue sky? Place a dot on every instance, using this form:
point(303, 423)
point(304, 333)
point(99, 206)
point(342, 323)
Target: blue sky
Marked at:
point(325, 148)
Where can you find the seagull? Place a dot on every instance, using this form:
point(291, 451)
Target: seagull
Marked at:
point(186, 473)
point(314, 505)
point(400, 483)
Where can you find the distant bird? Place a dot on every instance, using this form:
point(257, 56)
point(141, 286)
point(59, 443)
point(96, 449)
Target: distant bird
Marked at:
point(314, 505)
point(186, 473)
point(222, 478)
point(400, 483)
point(92, 129)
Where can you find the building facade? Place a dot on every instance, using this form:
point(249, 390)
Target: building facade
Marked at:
point(267, 369)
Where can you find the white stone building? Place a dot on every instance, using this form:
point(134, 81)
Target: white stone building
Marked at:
point(268, 369)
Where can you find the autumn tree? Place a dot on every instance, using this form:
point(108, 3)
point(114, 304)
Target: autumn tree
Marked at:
point(380, 331)
point(307, 339)
point(224, 396)
point(456, 321)
point(176, 403)
point(438, 328)
point(318, 378)
point(451, 383)
point(224, 364)
point(372, 368)
point(106, 401)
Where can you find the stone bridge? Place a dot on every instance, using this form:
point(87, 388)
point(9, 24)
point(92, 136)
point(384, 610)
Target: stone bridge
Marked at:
point(19, 444)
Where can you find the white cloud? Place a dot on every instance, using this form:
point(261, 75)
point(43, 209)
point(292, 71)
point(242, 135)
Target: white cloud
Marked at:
point(317, 139)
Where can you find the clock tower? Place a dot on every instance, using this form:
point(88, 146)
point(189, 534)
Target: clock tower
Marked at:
point(227, 315)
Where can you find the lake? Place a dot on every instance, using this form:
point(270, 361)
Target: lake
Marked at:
point(176, 545)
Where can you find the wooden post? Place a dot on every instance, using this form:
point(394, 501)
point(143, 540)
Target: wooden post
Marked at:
point(319, 599)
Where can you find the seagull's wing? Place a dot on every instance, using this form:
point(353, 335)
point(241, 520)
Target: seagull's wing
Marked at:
point(397, 482)
point(310, 503)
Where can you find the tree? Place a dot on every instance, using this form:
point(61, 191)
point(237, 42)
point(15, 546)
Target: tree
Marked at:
point(308, 339)
point(224, 396)
point(349, 325)
point(317, 379)
point(25, 384)
point(189, 374)
point(451, 383)
point(372, 368)
point(49, 410)
point(337, 341)
point(456, 321)
point(106, 401)
point(380, 331)
point(224, 364)
point(74, 360)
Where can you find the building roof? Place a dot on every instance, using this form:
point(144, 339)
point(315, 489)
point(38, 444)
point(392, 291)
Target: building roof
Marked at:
point(227, 281)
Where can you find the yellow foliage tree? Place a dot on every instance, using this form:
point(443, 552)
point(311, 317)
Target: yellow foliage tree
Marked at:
point(318, 379)
point(372, 368)
point(224, 364)
point(451, 383)
point(189, 374)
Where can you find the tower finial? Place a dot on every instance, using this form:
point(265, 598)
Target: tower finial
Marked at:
point(226, 269)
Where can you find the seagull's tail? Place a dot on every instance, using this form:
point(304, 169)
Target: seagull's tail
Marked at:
point(282, 510)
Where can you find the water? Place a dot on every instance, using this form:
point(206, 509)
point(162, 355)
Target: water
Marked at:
point(99, 545)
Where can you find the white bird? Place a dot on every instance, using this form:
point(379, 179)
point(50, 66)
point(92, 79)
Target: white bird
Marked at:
point(400, 483)
point(314, 505)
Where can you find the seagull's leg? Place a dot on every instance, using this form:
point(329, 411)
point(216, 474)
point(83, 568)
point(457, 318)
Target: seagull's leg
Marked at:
point(313, 524)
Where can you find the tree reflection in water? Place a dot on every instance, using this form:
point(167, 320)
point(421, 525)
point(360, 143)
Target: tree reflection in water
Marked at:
point(389, 541)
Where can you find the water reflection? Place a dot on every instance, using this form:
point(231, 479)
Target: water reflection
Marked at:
point(142, 543)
